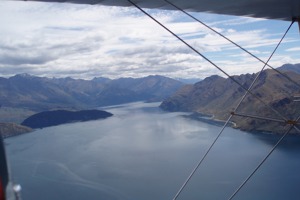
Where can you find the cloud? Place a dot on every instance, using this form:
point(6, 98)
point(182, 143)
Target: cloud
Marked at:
point(236, 21)
point(13, 60)
point(293, 49)
point(83, 41)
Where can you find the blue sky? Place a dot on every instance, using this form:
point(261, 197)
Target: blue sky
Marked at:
point(84, 41)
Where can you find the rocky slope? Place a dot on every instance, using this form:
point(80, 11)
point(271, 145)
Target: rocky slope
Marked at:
point(290, 67)
point(218, 96)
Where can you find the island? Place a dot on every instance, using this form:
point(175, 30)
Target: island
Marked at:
point(57, 117)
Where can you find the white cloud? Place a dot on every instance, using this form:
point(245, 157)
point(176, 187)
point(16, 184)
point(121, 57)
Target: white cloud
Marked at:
point(83, 41)
point(293, 49)
point(236, 21)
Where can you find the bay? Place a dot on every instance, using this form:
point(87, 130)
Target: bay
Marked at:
point(143, 153)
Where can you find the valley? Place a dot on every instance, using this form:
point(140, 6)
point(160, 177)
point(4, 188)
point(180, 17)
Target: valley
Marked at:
point(24, 95)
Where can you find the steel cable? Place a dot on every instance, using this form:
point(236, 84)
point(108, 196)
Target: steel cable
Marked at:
point(231, 41)
point(228, 120)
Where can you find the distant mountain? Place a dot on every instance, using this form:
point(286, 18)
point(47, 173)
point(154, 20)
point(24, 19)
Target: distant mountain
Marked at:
point(57, 117)
point(217, 96)
point(36, 93)
point(41, 93)
point(290, 67)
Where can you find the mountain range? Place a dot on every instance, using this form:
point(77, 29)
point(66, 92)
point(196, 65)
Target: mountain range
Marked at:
point(23, 95)
point(217, 97)
point(41, 93)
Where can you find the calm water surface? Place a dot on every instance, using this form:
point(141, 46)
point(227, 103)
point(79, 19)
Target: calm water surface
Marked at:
point(142, 153)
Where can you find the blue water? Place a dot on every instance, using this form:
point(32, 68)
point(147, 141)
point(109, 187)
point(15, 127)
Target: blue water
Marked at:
point(142, 153)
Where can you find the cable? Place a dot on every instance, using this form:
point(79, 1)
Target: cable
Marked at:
point(245, 50)
point(261, 71)
point(297, 129)
point(264, 159)
point(239, 46)
point(228, 120)
point(258, 117)
point(247, 90)
point(230, 117)
point(208, 60)
point(215, 140)
point(202, 159)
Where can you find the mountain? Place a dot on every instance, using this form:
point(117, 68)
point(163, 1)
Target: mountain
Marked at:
point(218, 96)
point(150, 88)
point(290, 67)
point(32, 93)
point(35, 93)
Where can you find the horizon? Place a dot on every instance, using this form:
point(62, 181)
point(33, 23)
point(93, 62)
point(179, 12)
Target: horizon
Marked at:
point(31, 75)
point(90, 79)
point(81, 41)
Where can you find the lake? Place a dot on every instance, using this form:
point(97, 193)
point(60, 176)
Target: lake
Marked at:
point(143, 153)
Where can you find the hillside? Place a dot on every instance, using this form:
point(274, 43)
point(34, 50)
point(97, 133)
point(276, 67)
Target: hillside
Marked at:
point(36, 94)
point(11, 129)
point(290, 67)
point(218, 96)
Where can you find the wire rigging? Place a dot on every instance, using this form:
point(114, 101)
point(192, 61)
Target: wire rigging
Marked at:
point(248, 91)
point(245, 50)
point(229, 118)
point(265, 64)
point(264, 159)
point(234, 43)
point(263, 118)
point(202, 159)
point(208, 60)
point(242, 99)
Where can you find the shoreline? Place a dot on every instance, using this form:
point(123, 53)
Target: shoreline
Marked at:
point(217, 122)
point(12, 129)
point(208, 119)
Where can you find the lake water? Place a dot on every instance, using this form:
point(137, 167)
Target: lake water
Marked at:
point(142, 153)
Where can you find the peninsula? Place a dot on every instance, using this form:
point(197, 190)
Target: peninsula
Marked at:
point(12, 129)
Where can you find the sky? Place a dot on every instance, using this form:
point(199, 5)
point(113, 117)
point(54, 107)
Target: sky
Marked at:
point(87, 41)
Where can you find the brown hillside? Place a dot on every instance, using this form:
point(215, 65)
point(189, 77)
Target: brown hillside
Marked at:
point(218, 96)
point(11, 129)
